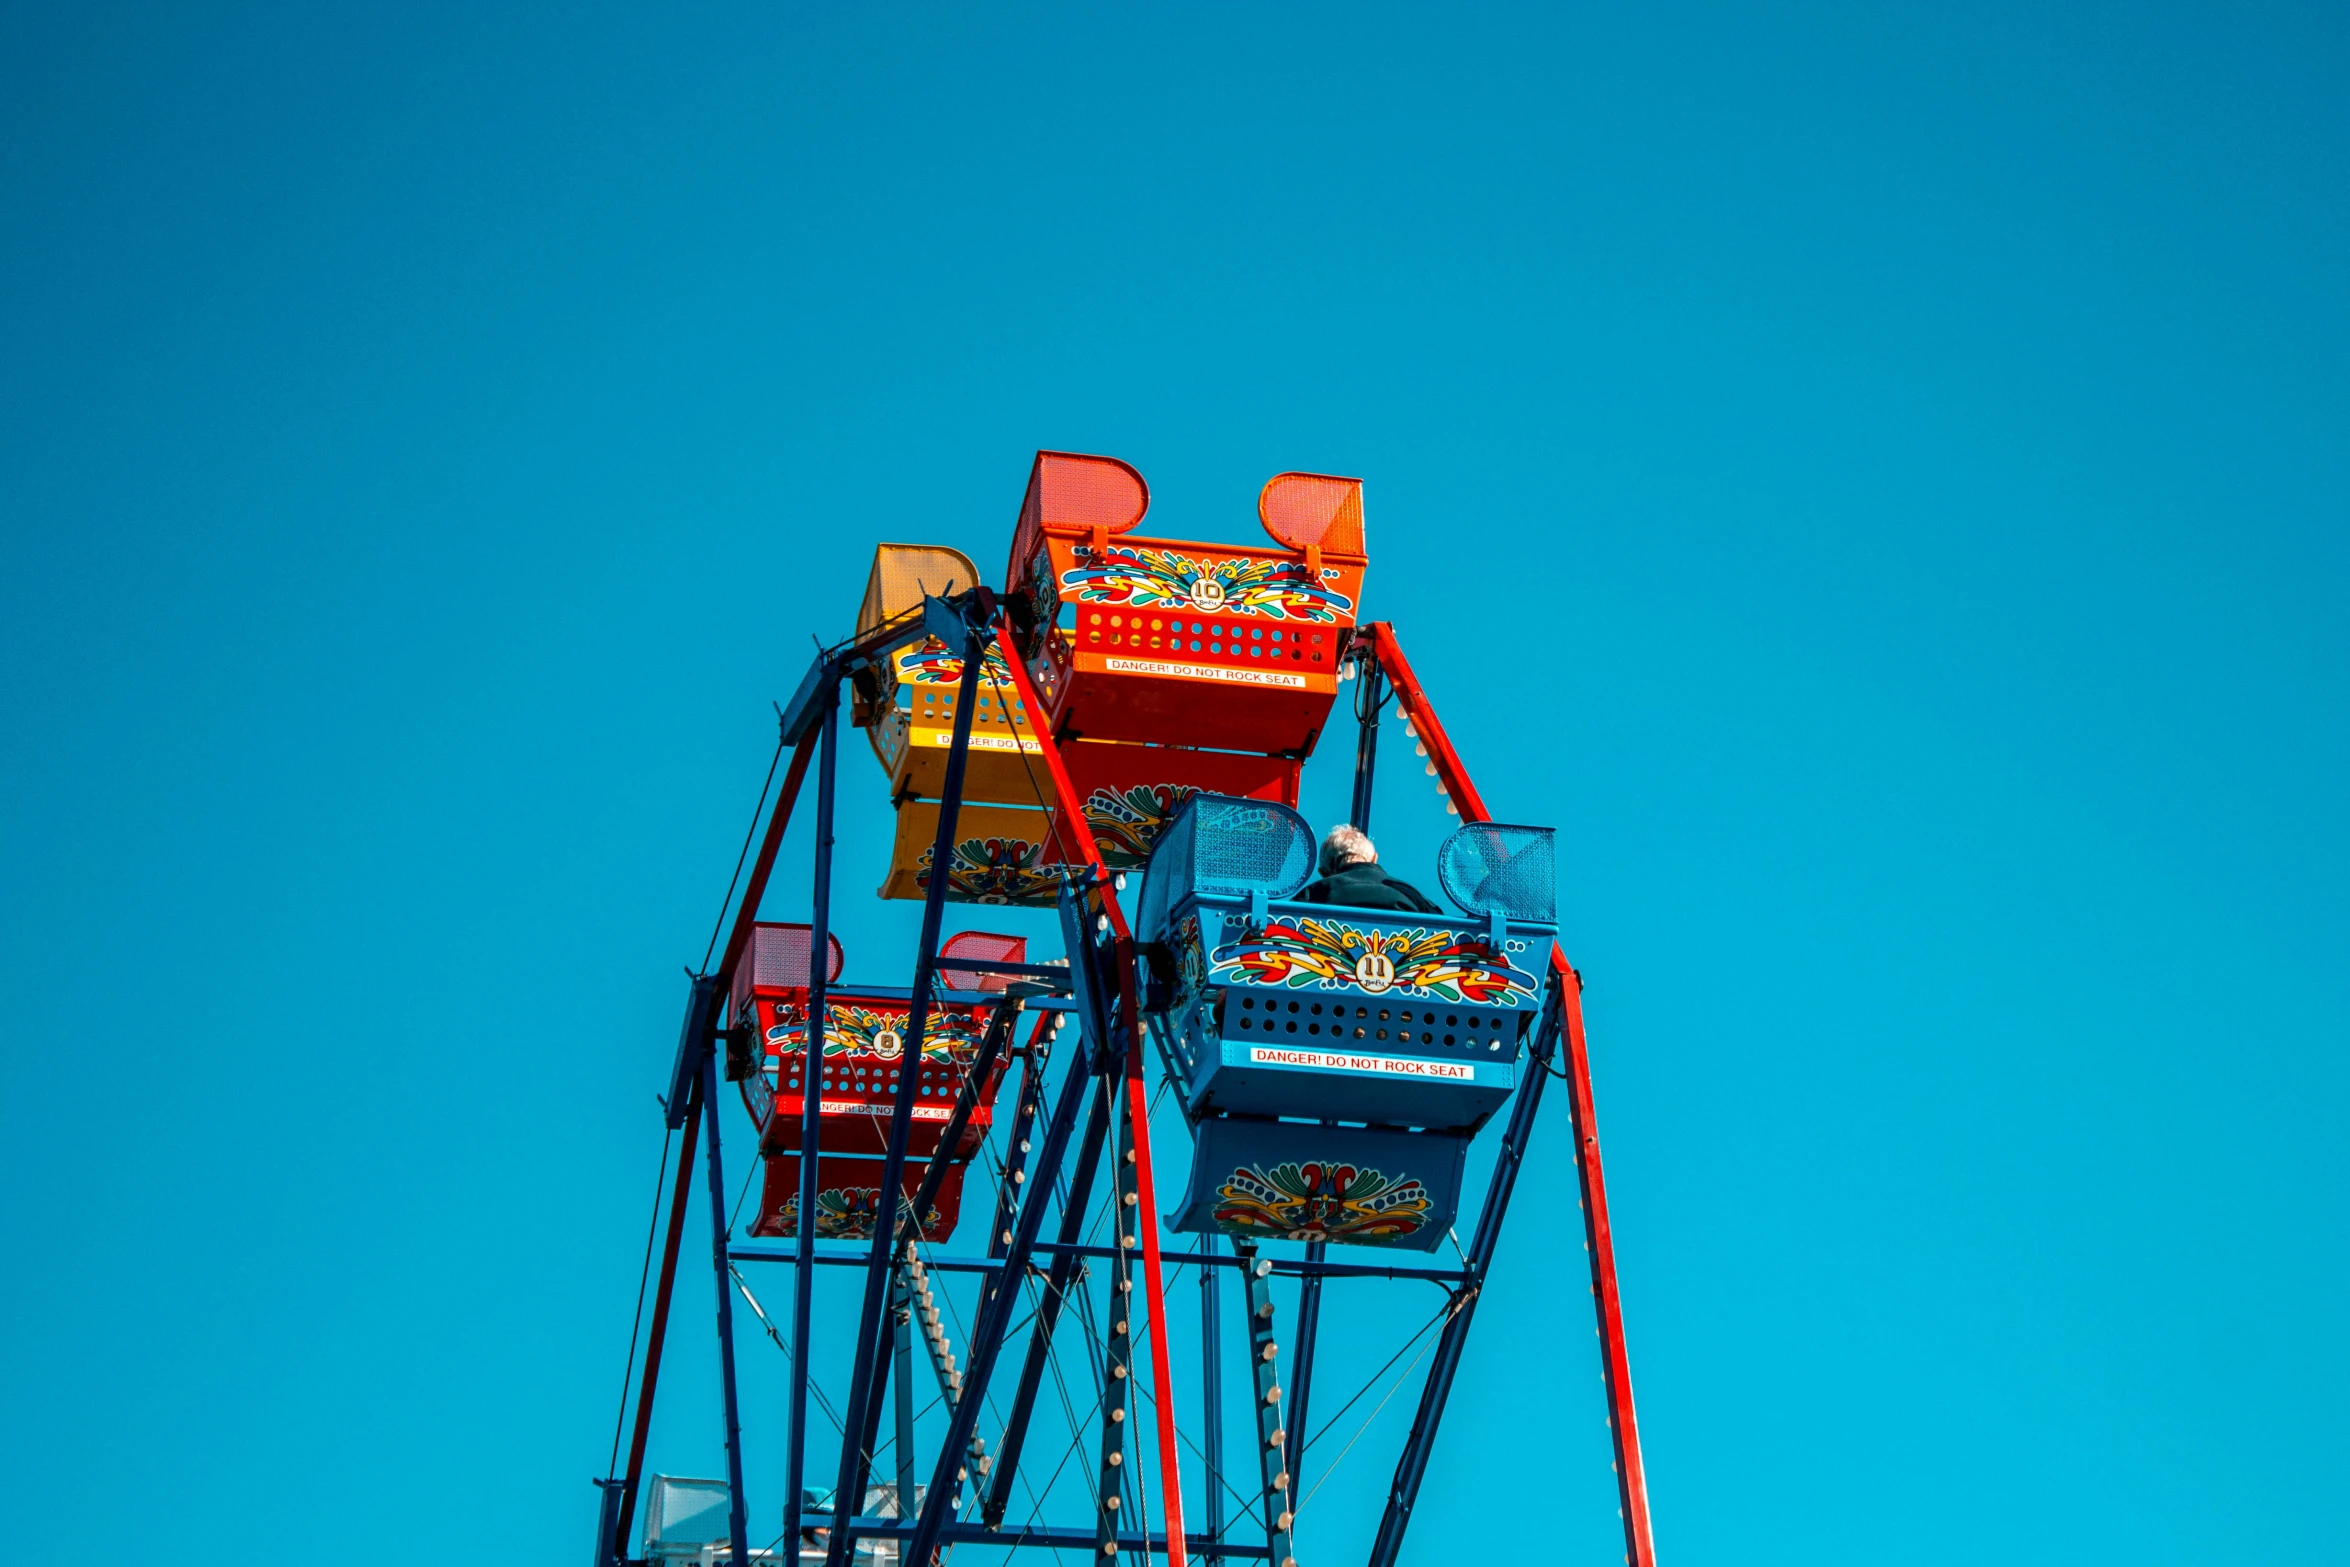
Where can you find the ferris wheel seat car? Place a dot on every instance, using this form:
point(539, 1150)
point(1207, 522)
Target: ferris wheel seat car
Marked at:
point(865, 1048)
point(907, 704)
point(1175, 642)
point(1164, 668)
point(1317, 1043)
point(1273, 1007)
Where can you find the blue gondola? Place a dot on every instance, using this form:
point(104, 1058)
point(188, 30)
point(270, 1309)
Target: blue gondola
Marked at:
point(1335, 1062)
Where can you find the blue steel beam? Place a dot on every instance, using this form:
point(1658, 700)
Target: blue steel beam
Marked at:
point(944, 994)
point(991, 1045)
point(1211, 1361)
point(736, 1529)
point(607, 1551)
point(863, 1410)
point(703, 999)
point(1301, 1356)
point(1085, 993)
point(1370, 697)
point(1024, 1107)
point(999, 1028)
point(795, 1469)
point(1277, 1485)
point(1412, 1466)
point(837, 662)
point(1049, 1304)
point(901, 1319)
point(995, 1316)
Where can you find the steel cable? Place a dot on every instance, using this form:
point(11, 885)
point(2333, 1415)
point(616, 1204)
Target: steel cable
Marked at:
point(741, 859)
point(644, 1277)
point(1392, 1390)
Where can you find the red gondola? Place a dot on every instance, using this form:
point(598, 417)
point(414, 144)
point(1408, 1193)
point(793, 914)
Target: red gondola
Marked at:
point(865, 1052)
point(1171, 642)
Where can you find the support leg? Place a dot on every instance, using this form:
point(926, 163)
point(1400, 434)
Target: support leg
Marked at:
point(1370, 697)
point(607, 1523)
point(902, 1388)
point(862, 1414)
point(1118, 1345)
point(1404, 1492)
point(1211, 1394)
point(1264, 1357)
point(659, 1335)
point(1599, 1241)
point(803, 1284)
point(1025, 1104)
point(1623, 1424)
point(1301, 1358)
point(995, 1317)
point(737, 1529)
point(1049, 1303)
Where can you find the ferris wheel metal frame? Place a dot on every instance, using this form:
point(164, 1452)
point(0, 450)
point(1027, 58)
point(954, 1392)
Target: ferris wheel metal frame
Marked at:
point(1102, 1084)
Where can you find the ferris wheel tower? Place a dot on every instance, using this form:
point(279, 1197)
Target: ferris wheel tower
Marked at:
point(1324, 1045)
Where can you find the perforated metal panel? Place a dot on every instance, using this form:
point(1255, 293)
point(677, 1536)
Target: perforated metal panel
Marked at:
point(697, 1524)
point(780, 956)
point(982, 947)
point(778, 960)
point(682, 1516)
point(1218, 844)
point(1490, 867)
point(903, 573)
point(1070, 493)
point(1250, 845)
point(1305, 510)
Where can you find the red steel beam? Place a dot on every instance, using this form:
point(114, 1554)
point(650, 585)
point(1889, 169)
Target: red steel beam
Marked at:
point(736, 944)
point(748, 915)
point(653, 1340)
point(1414, 701)
point(1137, 1107)
point(1599, 1241)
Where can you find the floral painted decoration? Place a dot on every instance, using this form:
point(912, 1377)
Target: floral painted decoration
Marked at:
point(1333, 955)
point(931, 664)
point(996, 870)
point(1322, 1202)
point(854, 1030)
point(843, 1213)
point(1127, 821)
point(1142, 578)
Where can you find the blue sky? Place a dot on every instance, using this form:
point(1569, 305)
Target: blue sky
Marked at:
point(1874, 478)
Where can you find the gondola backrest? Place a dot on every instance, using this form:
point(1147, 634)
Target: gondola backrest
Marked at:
point(1220, 846)
point(907, 703)
point(775, 968)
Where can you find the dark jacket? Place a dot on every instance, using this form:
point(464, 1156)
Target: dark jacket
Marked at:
point(1366, 886)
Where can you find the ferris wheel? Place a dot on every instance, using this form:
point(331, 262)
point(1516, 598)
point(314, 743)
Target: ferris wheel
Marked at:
point(970, 1157)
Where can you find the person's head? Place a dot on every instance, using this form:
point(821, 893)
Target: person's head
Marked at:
point(1346, 845)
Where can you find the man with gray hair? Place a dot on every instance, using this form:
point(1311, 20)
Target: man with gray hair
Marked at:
point(1350, 875)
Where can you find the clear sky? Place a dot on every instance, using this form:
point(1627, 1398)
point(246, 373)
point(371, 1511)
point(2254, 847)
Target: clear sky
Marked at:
point(1874, 477)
